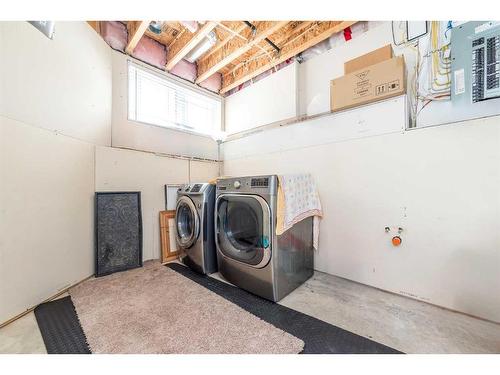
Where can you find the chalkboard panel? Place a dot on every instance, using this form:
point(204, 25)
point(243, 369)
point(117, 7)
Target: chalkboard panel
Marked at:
point(118, 230)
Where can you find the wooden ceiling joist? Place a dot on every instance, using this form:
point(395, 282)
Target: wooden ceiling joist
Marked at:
point(173, 25)
point(314, 35)
point(186, 42)
point(96, 25)
point(235, 48)
point(136, 35)
point(223, 41)
point(287, 35)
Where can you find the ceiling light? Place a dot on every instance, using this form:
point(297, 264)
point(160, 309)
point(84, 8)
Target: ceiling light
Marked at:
point(203, 46)
point(46, 27)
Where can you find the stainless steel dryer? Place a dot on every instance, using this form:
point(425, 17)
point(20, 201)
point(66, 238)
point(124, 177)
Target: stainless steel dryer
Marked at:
point(194, 219)
point(249, 253)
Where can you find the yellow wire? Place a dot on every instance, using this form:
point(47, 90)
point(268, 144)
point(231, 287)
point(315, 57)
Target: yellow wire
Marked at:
point(435, 57)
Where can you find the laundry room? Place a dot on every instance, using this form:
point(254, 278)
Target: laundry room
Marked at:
point(320, 181)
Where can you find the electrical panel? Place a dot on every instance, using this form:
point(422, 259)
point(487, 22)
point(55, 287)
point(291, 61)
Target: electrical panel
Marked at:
point(475, 62)
point(485, 68)
point(475, 90)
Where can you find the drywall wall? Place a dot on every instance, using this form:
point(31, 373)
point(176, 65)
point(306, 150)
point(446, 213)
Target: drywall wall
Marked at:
point(203, 171)
point(46, 214)
point(55, 104)
point(302, 89)
point(127, 170)
point(135, 135)
point(315, 74)
point(440, 184)
point(271, 99)
point(313, 84)
point(62, 84)
point(383, 117)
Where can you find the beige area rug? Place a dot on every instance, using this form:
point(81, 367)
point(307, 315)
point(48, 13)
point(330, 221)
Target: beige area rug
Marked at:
point(154, 309)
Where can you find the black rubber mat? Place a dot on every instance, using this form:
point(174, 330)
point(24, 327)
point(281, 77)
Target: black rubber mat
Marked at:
point(60, 327)
point(319, 337)
point(63, 334)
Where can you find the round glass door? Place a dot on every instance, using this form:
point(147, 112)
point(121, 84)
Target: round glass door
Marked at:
point(243, 229)
point(187, 222)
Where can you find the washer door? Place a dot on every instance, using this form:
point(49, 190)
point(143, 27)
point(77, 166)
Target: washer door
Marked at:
point(243, 229)
point(187, 222)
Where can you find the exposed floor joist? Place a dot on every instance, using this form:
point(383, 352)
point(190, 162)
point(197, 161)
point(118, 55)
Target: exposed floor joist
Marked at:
point(140, 29)
point(314, 35)
point(234, 49)
point(234, 33)
point(230, 35)
point(285, 36)
point(95, 25)
point(186, 42)
point(243, 49)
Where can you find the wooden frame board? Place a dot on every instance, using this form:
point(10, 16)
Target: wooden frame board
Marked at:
point(167, 236)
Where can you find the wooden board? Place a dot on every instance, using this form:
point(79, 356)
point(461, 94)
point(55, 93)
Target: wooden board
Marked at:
point(167, 235)
point(314, 35)
point(243, 49)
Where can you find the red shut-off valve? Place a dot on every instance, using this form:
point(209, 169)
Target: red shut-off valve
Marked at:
point(396, 240)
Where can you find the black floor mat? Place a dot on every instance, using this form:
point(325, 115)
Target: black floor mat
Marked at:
point(60, 327)
point(63, 334)
point(319, 337)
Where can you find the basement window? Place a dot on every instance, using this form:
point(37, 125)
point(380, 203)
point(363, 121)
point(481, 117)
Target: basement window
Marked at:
point(162, 101)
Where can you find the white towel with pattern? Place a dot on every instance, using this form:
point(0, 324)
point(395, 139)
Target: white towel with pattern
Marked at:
point(298, 199)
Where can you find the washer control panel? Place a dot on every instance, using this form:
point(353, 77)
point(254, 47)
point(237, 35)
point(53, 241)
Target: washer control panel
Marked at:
point(194, 188)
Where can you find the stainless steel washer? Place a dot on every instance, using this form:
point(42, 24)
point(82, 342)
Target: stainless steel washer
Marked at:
point(249, 253)
point(194, 218)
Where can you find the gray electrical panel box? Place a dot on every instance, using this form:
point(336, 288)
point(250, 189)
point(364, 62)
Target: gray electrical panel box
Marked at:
point(475, 90)
point(475, 66)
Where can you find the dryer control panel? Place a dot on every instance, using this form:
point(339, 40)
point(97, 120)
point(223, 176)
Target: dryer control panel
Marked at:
point(259, 182)
point(248, 184)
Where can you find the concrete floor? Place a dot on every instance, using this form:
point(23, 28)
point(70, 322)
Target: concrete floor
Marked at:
point(399, 322)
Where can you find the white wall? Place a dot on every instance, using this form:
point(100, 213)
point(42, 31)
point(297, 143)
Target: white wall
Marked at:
point(441, 184)
point(271, 99)
point(55, 107)
point(46, 214)
point(55, 104)
point(62, 84)
point(126, 170)
point(202, 171)
point(384, 117)
point(145, 137)
point(315, 74)
point(302, 89)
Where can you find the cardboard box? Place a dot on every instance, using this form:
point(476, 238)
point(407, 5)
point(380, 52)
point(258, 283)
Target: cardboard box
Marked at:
point(371, 58)
point(377, 82)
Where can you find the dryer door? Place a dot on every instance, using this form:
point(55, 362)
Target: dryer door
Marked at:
point(187, 222)
point(243, 229)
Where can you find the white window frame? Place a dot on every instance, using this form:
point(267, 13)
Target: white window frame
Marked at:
point(179, 82)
